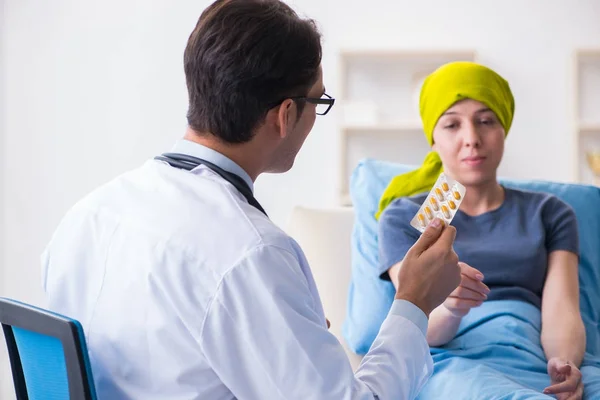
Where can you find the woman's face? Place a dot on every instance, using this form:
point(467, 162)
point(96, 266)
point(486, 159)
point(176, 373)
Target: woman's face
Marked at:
point(470, 141)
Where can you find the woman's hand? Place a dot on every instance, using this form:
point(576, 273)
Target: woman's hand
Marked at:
point(566, 380)
point(470, 293)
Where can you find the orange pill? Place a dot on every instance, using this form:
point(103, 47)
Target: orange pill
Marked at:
point(428, 212)
point(439, 194)
point(452, 204)
point(434, 203)
point(445, 211)
point(421, 219)
point(445, 187)
point(456, 195)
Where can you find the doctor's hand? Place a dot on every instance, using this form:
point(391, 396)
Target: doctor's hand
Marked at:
point(566, 380)
point(430, 271)
point(471, 292)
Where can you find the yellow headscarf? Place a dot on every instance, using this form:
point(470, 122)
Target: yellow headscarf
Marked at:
point(445, 86)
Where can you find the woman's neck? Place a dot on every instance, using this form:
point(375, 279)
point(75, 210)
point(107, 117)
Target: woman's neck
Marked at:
point(480, 199)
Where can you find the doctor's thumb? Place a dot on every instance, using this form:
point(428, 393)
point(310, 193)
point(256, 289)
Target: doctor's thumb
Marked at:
point(429, 236)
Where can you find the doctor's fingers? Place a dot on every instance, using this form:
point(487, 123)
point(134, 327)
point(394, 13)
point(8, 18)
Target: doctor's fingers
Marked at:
point(443, 246)
point(442, 254)
point(429, 237)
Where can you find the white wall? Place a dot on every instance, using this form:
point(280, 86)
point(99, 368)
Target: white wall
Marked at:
point(4, 366)
point(2, 131)
point(95, 88)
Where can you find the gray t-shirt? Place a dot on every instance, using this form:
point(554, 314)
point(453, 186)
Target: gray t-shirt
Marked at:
point(509, 245)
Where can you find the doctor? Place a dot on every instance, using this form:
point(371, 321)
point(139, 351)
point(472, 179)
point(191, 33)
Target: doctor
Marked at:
point(185, 288)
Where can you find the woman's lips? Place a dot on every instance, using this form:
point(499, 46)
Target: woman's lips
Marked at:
point(474, 160)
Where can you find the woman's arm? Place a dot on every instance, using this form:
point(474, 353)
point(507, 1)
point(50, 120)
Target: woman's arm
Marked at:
point(442, 326)
point(563, 332)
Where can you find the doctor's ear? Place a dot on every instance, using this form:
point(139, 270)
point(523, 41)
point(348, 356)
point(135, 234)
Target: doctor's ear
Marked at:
point(286, 117)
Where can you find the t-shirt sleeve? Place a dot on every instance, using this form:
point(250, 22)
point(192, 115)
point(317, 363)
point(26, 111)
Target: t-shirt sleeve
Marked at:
point(396, 235)
point(561, 226)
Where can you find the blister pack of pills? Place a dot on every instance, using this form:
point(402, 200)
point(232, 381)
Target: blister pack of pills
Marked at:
point(442, 202)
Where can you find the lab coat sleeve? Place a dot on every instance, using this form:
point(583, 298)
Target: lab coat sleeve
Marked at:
point(265, 339)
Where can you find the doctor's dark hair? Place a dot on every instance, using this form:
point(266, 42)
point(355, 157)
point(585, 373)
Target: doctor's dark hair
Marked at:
point(243, 58)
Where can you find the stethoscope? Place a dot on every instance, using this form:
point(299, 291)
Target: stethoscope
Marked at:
point(188, 163)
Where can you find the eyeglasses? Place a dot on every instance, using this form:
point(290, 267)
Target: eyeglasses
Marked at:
point(324, 104)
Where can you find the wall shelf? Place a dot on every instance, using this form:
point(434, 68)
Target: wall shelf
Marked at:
point(589, 128)
point(384, 128)
point(379, 96)
point(587, 115)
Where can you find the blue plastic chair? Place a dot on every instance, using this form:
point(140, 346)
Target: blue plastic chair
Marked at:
point(48, 354)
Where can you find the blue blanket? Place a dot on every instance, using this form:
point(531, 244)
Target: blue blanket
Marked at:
point(497, 354)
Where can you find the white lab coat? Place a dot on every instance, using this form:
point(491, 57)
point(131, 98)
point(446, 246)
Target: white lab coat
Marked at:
point(185, 291)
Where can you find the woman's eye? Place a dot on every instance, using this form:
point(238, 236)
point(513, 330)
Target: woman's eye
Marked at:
point(487, 122)
point(451, 126)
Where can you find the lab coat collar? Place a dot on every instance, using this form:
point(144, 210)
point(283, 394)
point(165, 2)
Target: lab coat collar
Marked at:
point(194, 149)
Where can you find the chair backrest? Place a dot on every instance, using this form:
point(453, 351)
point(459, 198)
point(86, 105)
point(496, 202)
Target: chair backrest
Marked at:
point(48, 353)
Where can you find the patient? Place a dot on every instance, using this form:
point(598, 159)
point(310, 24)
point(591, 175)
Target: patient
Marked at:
point(514, 245)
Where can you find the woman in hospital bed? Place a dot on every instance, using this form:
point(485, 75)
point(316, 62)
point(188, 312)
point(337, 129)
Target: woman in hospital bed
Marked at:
point(522, 245)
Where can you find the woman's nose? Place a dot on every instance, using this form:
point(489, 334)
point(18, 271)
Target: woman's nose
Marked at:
point(471, 136)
